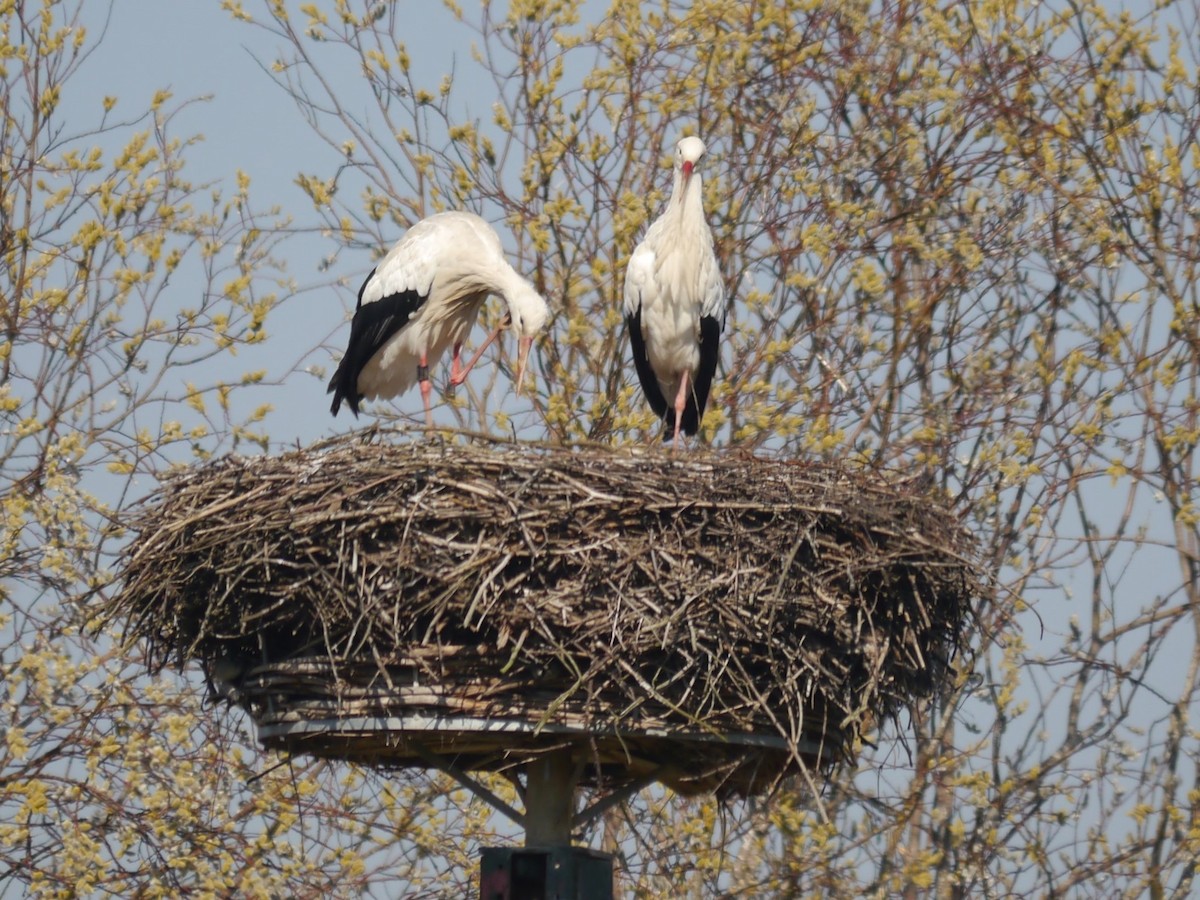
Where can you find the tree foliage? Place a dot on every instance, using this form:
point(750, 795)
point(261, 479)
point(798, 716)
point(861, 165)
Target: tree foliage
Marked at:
point(961, 239)
point(126, 293)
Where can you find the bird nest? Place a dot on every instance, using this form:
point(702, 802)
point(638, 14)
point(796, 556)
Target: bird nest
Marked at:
point(714, 622)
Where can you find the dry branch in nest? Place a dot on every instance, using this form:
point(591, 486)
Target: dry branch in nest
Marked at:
point(714, 622)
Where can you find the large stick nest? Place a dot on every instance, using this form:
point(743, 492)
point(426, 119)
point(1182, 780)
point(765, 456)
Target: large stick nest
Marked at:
point(712, 622)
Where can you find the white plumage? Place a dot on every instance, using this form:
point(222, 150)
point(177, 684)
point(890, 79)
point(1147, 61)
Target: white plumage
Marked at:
point(423, 297)
point(675, 302)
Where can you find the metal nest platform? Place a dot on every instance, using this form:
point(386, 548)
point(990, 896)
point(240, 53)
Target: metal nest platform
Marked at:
point(714, 622)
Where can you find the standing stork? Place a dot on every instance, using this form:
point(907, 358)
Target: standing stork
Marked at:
point(675, 303)
point(423, 297)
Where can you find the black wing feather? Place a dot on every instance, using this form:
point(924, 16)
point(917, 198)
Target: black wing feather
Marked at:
point(710, 352)
point(641, 362)
point(373, 326)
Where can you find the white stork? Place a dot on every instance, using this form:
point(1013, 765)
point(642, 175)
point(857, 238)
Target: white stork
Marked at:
point(423, 297)
point(675, 302)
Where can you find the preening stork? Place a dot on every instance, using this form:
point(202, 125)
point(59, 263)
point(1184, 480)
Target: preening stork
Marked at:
point(423, 297)
point(675, 302)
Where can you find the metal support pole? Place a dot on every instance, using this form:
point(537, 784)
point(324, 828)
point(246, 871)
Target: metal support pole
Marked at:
point(550, 799)
point(548, 867)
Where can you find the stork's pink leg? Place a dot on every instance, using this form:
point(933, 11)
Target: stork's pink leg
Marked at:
point(458, 373)
point(680, 403)
point(426, 388)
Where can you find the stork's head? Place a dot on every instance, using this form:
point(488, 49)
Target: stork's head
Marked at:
point(528, 312)
point(687, 155)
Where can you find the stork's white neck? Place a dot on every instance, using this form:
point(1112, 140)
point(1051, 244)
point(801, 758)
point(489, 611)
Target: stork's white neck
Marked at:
point(686, 208)
point(507, 282)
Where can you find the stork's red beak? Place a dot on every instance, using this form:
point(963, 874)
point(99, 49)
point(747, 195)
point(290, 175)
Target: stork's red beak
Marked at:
point(523, 347)
point(688, 165)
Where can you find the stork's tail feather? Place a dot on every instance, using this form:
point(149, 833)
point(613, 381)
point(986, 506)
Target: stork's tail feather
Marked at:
point(342, 392)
